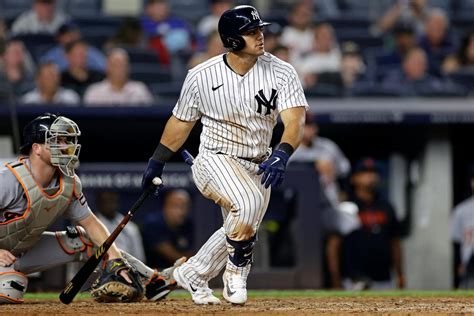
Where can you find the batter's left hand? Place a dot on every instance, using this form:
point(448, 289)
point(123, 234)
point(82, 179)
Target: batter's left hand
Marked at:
point(273, 169)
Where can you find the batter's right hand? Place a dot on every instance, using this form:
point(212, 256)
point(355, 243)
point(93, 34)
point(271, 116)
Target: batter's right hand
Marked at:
point(6, 258)
point(154, 169)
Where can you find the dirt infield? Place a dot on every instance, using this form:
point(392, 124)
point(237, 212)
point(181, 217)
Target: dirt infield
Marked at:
point(256, 306)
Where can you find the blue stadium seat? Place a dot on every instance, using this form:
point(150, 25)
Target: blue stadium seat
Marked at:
point(464, 78)
point(97, 35)
point(33, 42)
point(324, 90)
point(141, 55)
point(12, 8)
point(149, 73)
point(190, 10)
point(372, 89)
point(166, 91)
point(83, 8)
point(102, 21)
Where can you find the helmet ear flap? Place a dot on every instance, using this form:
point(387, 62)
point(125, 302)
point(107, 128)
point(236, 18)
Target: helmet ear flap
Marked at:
point(236, 43)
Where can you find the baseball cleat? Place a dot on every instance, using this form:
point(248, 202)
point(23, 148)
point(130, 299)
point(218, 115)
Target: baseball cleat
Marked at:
point(235, 288)
point(162, 283)
point(200, 295)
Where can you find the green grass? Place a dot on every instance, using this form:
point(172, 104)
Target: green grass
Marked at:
point(294, 293)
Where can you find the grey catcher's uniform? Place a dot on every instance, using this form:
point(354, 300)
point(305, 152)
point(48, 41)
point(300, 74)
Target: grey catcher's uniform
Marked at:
point(26, 211)
point(238, 114)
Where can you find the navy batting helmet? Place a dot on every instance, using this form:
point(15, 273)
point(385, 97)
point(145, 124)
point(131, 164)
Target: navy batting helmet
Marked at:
point(234, 22)
point(35, 131)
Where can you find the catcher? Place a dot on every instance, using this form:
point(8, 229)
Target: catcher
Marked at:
point(42, 186)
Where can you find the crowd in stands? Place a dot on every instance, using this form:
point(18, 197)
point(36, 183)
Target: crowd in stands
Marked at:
point(339, 48)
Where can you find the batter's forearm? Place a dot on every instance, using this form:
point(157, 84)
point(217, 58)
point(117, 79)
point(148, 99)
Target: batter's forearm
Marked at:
point(293, 120)
point(176, 132)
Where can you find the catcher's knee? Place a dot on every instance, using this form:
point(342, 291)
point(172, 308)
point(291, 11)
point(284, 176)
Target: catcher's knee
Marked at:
point(13, 286)
point(74, 240)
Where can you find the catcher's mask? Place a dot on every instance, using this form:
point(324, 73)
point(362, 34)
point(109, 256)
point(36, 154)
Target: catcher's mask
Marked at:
point(60, 134)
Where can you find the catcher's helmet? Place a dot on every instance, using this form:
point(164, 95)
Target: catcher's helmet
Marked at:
point(234, 22)
point(60, 134)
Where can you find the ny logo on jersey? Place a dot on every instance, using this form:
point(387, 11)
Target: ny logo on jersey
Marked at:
point(255, 15)
point(269, 104)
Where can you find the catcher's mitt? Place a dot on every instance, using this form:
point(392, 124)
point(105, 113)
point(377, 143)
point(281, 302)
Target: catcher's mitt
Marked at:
point(112, 287)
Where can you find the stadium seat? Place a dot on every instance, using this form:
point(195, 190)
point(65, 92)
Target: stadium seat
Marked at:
point(83, 8)
point(190, 10)
point(149, 73)
point(33, 42)
point(97, 35)
point(141, 55)
point(13, 8)
point(168, 91)
point(372, 89)
point(464, 78)
point(102, 21)
point(324, 90)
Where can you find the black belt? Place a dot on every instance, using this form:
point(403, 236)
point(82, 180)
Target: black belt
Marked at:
point(257, 160)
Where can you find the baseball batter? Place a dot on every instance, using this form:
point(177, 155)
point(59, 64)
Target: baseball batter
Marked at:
point(238, 97)
point(39, 188)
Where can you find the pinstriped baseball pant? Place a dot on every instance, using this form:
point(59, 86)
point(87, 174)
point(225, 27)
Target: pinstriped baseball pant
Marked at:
point(234, 185)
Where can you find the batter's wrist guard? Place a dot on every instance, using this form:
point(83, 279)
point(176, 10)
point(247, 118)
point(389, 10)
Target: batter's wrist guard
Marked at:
point(287, 148)
point(162, 153)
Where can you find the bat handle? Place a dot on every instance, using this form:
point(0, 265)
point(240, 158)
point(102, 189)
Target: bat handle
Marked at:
point(187, 157)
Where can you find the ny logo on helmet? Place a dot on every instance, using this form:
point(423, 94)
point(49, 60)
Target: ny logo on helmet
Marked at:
point(269, 104)
point(255, 15)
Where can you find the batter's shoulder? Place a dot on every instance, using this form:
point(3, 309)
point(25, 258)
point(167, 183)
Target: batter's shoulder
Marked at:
point(211, 62)
point(284, 70)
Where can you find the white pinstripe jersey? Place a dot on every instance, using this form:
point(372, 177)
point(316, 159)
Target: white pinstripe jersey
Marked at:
point(238, 113)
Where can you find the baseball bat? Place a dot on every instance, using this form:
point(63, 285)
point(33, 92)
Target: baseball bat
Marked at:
point(73, 287)
point(188, 158)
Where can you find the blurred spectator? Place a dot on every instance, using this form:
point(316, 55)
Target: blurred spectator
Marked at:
point(326, 156)
point(352, 64)
point(18, 67)
point(404, 40)
point(130, 239)
point(68, 33)
point(208, 24)
point(129, 34)
point(298, 35)
point(436, 40)
point(462, 235)
point(157, 22)
point(214, 48)
point(42, 18)
point(412, 12)
point(117, 89)
point(414, 78)
point(171, 235)
point(281, 52)
point(3, 30)
point(325, 56)
point(368, 253)
point(272, 34)
point(48, 88)
point(464, 58)
point(78, 76)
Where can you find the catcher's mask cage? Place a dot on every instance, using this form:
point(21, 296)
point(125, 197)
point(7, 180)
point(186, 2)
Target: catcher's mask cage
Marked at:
point(62, 140)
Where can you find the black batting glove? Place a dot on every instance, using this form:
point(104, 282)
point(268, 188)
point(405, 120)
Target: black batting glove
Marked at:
point(154, 169)
point(273, 169)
